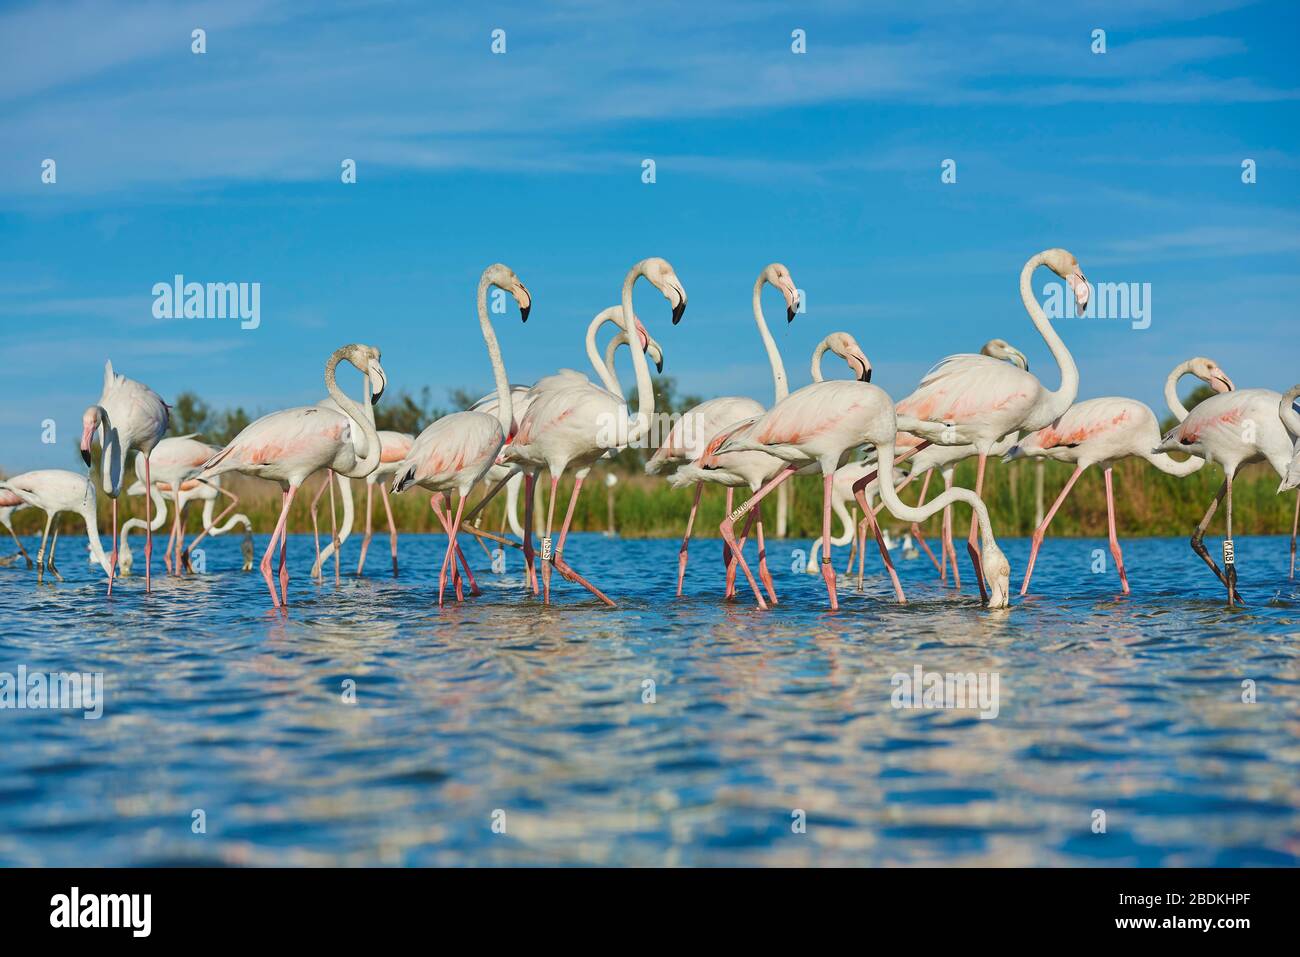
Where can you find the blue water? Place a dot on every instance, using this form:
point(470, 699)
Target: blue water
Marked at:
point(1130, 706)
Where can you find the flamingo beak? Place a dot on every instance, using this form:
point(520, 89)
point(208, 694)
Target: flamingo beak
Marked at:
point(791, 301)
point(525, 302)
point(1221, 383)
point(378, 382)
point(680, 306)
point(865, 375)
point(1082, 291)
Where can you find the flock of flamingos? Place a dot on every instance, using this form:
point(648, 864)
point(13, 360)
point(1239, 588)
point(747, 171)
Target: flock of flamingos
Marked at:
point(981, 404)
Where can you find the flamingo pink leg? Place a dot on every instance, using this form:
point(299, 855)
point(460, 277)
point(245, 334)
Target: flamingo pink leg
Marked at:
point(1114, 539)
point(286, 499)
point(690, 523)
point(916, 529)
point(731, 571)
point(445, 520)
point(148, 531)
point(763, 572)
point(22, 551)
point(530, 572)
point(1295, 527)
point(949, 550)
point(726, 549)
point(315, 527)
point(178, 534)
point(884, 555)
point(546, 542)
point(392, 526)
point(972, 540)
point(167, 551)
point(1198, 536)
point(451, 548)
point(727, 528)
point(1229, 567)
point(334, 530)
point(284, 567)
point(1041, 530)
point(561, 565)
point(365, 539)
point(828, 570)
point(112, 561)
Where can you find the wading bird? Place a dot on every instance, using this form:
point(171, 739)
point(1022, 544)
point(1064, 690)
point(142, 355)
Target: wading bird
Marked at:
point(1232, 428)
point(977, 399)
point(10, 503)
point(54, 491)
point(455, 452)
point(191, 490)
point(129, 415)
point(575, 425)
point(288, 446)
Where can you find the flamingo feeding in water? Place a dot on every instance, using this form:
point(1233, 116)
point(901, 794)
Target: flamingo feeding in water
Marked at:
point(1099, 432)
point(575, 425)
point(977, 399)
point(689, 437)
point(171, 465)
point(1233, 428)
point(455, 452)
point(10, 502)
point(191, 490)
point(821, 423)
point(129, 415)
point(54, 491)
point(290, 445)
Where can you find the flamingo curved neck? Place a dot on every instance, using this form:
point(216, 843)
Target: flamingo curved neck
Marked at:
point(610, 376)
point(1171, 466)
point(645, 394)
point(366, 464)
point(605, 368)
point(885, 466)
point(505, 409)
point(1064, 397)
point(1286, 409)
point(92, 536)
point(780, 384)
point(817, 362)
point(1171, 390)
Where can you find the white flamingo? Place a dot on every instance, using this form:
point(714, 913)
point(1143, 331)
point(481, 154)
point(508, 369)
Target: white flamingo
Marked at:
point(576, 425)
point(10, 503)
point(54, 491)
point(191, 490)
point(129, 415)
point(288, 446)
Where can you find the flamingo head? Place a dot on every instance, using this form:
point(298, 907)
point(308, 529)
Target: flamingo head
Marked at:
point(847, 348)
point(648, 344)
point(997, 572)
point(366, 360)
point(1001, 349)
point(661, 274)
point(1066, 266)
point(1208, 371)
point(780, 277)
point(1292, 478)
point(90, 420)
point(503, 277)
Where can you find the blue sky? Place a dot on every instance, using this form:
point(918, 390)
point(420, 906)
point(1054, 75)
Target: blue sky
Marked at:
point(225, 167)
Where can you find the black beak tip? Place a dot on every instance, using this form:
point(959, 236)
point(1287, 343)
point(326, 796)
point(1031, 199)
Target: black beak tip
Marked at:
point(85, 457)
point(659, 365)
point(677, 312)
point(523, 312)
point(789, 313)
point(866, 376)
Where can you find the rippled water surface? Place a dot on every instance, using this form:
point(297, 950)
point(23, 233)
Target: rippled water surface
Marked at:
point(1131, 706)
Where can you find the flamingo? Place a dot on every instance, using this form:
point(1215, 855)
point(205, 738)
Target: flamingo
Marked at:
point(689, 437)
point(129, 415)
point(174, 461)
point(1233, 428)
point(576, 424)
point(1289, 410)
point(10, 502)
point(455, 452)
point(823, 422)
point(290, 445)
point(977, 399)
point(54, 491)
point(192, 489)
point(1098, 432)
point(753, 468)
point(846, 476)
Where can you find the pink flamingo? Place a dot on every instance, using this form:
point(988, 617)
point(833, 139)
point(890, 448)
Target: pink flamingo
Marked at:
point(456, 452)
point(54, 491)
point(753, 468)
point(290, 445)
point(1290, 414)
point(129, 415)
point(1233, 428)
point(174, 461)
point(191, 490)
point(1098, 432)
point(577, 424)
point(689, 437)
point(823, 422)
point(846, 476)
point(977, 399)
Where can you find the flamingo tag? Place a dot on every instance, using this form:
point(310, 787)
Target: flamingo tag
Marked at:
point(546, 549)
point(1229, 552)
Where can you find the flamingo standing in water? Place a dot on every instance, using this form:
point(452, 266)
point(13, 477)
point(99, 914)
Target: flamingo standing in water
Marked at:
point(290, 445)
point(1233, 428)
point(823, 422)
point(129, 415)
point(977, 399)
point(10, 503)
point(54, 491)
point(1289, 411)
point(174, 462)
point(577, 424)
point(1099, 432)
point(752, 468)
point(455, 452)
point(689, 437)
